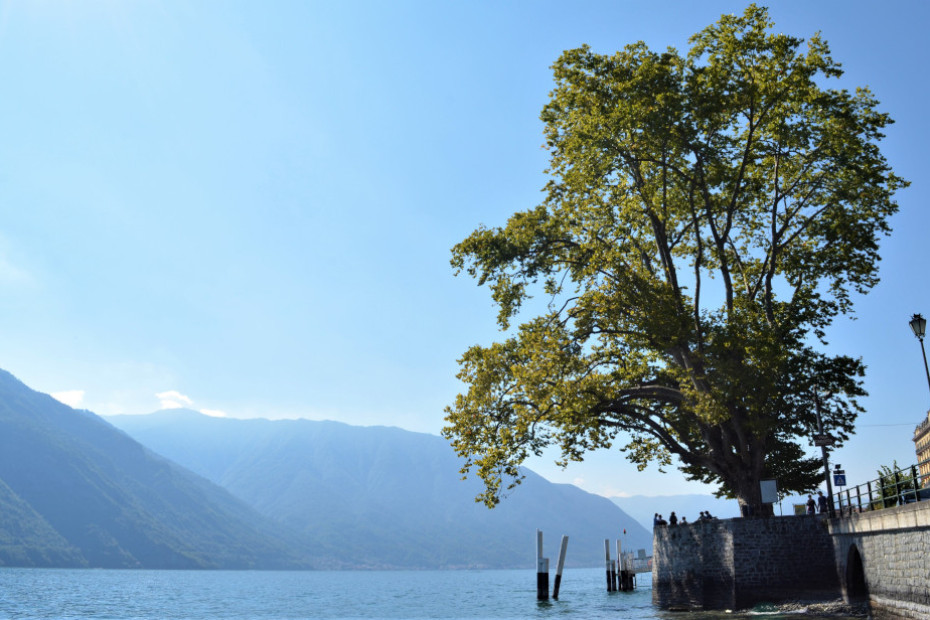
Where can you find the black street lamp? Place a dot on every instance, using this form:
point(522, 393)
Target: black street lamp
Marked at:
point(919, 327)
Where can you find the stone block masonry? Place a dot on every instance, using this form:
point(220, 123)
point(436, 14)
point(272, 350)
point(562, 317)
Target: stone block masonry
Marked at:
point(884, 555)
point(736, 563)
point(880, 557)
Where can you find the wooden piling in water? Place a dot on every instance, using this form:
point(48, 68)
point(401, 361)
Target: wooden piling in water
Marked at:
point(542, 579)
point(629, 580)
point(542, 570)
point(608, 564)
point(620, 574)
point(618, 580)
point(558, 570)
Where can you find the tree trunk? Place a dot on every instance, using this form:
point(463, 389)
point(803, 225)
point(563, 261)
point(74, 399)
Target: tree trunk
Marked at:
point(748, 493)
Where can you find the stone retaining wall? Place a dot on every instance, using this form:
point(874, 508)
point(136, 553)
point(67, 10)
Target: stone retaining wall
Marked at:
point(736, 563)
point(893, 546)
point(881, 556)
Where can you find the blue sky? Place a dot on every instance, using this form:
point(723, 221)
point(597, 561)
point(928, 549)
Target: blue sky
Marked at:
point(247, 208)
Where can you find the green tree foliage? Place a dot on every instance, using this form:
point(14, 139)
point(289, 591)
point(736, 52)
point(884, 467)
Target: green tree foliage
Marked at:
point(896, 486)
point(707, 217)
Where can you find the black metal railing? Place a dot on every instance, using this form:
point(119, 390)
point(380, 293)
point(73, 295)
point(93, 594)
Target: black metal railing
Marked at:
point(896, 488)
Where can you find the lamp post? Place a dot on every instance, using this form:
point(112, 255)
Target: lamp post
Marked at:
point(919, 327)
point(826, 460)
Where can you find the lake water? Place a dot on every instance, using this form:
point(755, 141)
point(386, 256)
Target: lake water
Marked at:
point(137, 594)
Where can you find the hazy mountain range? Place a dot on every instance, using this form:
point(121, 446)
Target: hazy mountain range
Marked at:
point(177, 489)
point(74, 491)
point(380, 496)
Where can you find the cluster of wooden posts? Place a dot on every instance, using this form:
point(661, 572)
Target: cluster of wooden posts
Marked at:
point(620, 574)
point(542, 569)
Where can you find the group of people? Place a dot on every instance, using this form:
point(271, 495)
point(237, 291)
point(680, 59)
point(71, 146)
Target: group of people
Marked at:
point(673, 518)
point(813, 507)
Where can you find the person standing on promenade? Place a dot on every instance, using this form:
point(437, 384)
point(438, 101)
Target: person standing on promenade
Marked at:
point(821, 503)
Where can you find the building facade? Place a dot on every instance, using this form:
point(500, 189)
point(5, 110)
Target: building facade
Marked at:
point(922, 446)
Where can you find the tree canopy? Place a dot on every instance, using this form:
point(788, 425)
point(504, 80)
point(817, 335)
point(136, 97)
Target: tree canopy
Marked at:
point(707, 217)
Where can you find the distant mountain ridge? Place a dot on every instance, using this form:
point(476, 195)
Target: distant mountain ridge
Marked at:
point(74, 491)
point(343, 485)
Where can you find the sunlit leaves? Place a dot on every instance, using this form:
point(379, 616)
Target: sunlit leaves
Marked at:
point(708, 215)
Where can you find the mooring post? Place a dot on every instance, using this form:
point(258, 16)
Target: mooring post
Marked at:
point(610, 581)
point(625, 579)
point(542, 579)
point(542, 570)
point(558, 569)
point(619, 567)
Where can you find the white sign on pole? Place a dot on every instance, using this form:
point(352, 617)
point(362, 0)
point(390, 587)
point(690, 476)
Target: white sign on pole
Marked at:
point(769, 491)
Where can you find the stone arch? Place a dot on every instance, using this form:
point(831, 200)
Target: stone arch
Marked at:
point(856, 588)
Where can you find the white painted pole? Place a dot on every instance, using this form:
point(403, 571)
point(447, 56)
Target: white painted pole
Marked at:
point(542, 570)
point(558, 570)
point(619, 566)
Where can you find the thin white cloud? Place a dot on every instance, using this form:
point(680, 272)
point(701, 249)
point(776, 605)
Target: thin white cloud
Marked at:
point(609, 490)
point(172, 399)
point(72, 398)
point(214, 413)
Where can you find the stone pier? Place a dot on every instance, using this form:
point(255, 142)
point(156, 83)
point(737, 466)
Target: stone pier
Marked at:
point(736, 563)
point(880, 557)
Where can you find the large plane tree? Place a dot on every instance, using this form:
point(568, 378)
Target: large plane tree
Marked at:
point(707, 218)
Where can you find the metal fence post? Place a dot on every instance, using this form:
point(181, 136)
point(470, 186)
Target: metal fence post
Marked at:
point(891, 488)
